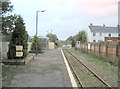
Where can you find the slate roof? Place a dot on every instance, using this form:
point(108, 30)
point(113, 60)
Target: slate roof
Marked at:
point(103, 29)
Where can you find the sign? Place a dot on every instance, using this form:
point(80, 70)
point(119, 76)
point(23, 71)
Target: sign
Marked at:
point(88, 46)
point(19, 48)
point(78, 44)
point(19, 54)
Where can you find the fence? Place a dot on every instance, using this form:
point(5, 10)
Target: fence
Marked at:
point(109, 51)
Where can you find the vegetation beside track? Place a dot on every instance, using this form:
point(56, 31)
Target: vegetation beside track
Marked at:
point(105, 70)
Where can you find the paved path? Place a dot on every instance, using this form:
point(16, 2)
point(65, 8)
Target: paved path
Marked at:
point(46, 70)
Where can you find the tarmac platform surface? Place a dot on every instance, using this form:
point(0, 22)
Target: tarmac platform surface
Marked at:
point(46, 70)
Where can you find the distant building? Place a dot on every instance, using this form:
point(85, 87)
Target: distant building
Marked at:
point(103, 33)
point(51, 45)
point(68, 46)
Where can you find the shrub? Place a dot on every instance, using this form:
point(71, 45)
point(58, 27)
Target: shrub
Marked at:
point(36, 41)
point(19, 37)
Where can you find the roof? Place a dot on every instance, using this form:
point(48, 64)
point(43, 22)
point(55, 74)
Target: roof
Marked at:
point(103, 29)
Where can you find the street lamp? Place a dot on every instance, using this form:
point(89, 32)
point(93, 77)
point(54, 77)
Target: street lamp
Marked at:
point(37, 25)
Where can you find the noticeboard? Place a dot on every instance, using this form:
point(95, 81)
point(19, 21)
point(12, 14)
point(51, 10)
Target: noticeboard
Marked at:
point(19, 48)
point(78, 44)
point(19, 54)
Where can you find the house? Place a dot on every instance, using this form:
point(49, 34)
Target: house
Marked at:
point(103, 33)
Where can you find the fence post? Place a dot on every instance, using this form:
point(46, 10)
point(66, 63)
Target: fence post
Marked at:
point(117, 50)
point(106, 49)
point(90, 48)
point(87, 47)
point(94, 49)
point(99, 49)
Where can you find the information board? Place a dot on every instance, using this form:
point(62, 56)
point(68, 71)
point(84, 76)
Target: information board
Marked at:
point(19, 48)
point(19, 54)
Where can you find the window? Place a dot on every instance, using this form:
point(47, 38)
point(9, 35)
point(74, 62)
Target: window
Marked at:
point(94, 40)
point(94, 34)
point(100, 41)
point(118, 35)
point(100, 34)
point(109, 35)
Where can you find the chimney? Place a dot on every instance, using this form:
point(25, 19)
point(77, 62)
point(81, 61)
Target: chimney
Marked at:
point(91, 24)
point(118, 25)
point(103, 25)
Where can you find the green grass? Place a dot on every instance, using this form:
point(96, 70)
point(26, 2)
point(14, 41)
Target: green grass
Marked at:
point(106, 66)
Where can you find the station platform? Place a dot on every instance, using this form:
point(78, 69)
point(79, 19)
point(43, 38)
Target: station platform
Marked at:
point(46, 70)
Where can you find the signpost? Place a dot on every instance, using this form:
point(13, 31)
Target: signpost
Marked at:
point(78, 44)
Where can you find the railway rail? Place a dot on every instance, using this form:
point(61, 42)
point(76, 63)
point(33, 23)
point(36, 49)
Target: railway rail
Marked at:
point(79, 67)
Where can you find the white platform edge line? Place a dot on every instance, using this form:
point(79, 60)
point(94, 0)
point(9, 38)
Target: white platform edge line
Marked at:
point(73, 82)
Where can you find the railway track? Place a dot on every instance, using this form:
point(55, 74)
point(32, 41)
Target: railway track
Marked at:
point(85, 76)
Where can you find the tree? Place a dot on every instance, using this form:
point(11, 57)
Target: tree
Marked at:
point(8, 24)
point(78, 37)
point(8, 20)
point(36, 41)
point(73, 43)
point(53, 38)
point(6, 7)
point(19, 37)
point(70, 38)
point(81, 36)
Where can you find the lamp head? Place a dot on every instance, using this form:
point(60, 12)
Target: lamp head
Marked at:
point(43, 10)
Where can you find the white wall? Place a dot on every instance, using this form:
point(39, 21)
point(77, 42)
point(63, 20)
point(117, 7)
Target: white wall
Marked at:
point(4, 49)
point(89, 35)
point(29, 46)
point(97, 37)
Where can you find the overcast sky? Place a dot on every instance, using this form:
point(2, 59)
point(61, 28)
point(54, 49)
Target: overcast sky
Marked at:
point(66, 17)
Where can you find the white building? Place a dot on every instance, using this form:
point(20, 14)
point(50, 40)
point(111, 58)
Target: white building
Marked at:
point(103, 33)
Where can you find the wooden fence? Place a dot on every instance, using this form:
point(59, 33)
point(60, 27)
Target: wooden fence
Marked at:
point(111, 52)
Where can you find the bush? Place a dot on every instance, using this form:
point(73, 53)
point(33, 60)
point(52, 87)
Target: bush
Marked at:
point(19, 37)
point(36, 41)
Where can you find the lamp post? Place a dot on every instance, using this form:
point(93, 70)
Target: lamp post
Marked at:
point(37, 26)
